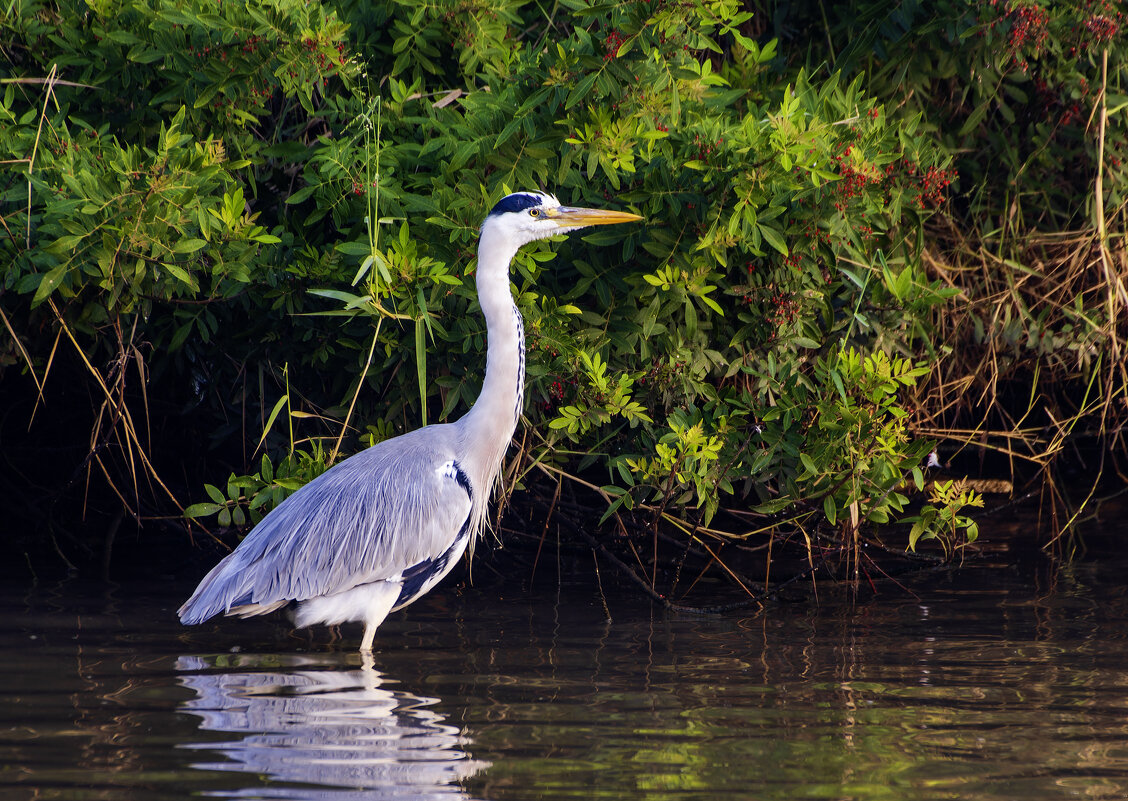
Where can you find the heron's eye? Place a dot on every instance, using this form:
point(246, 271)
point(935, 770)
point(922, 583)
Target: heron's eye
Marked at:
point(534, 212)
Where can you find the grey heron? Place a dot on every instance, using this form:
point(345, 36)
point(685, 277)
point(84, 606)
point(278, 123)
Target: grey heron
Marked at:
point(381, 528)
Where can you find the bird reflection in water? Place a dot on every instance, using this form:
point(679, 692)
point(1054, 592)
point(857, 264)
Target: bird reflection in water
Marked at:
point(311, 731)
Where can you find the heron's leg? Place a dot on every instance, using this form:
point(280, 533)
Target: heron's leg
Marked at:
point(381, 597)
point(366, 640)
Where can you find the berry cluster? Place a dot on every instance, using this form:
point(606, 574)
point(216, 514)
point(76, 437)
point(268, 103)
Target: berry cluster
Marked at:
point(668, 52)
point(783, 309)
point(1051, 98)
point(556, 392)
point(60, 147)
point(358, 187)
point(632, 98)
point(1071, 114)
point(853, 181)
point(250, 44)
point(1104, 28)
point(471, 21)
point(612, 44)
point(932, 185)
point(814, 234)
point(252, 93)
point(705, 149)
point(324, 63)
point(1027, 29)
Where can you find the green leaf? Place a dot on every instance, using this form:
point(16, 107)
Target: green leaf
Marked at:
point(354, 248)
point(774, 237)
point(421, 365)
point(837, 379)
point(203, 509)
point(65, 244)
point(830, 509)
point(581, 90)
point(188, 245)
point(145, 55)
point(302, 194)
point(915, 534)
point(49, 284)
point(123, 36)
point(270, 420)
point(712, 304)
point(207, 94)
point(772, 507)
point(181, 275)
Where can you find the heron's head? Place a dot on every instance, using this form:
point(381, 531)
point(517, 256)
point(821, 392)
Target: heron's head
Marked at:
point(527, 216)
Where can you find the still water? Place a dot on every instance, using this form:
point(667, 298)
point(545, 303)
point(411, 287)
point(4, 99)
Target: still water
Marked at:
point(989, 683)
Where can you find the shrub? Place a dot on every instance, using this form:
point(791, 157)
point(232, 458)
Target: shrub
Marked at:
point(1029, 99)
point(241, 193)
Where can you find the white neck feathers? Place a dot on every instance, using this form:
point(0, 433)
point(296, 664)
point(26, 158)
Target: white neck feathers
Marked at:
point(489, 425)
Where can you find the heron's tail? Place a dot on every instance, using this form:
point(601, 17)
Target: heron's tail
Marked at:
point(212, 597)
point(198, 608)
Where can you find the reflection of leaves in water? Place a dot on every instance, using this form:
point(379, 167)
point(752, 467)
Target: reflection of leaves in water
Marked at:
point(326, 727)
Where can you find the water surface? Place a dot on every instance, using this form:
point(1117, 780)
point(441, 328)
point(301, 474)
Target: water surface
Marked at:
point(988, 683)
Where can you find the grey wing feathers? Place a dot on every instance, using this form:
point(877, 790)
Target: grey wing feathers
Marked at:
point(368, 518)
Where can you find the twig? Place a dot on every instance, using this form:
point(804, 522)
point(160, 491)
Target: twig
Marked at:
point(596, 545)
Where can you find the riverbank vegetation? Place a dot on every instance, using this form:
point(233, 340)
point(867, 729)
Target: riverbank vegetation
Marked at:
point(239, 245)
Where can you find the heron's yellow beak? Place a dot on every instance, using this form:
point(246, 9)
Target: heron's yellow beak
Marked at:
point(571, 217)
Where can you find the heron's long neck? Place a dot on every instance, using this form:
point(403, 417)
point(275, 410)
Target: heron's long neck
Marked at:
point(489, 425)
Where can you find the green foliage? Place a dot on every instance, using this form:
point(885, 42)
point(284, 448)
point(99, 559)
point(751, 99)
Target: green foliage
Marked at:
point(603, 400)
point(685, 469)
point(941, 520)
point(122, 227)
point(248, 498)
point(1029, 97)
point(852, 447)
point(245, 186)
point(1010, 86)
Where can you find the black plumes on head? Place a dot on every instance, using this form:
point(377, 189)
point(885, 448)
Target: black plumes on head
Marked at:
point(518, 201)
